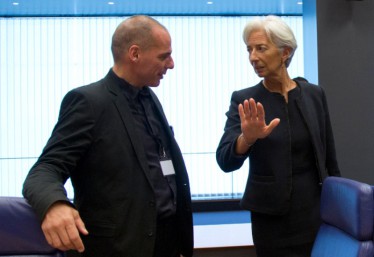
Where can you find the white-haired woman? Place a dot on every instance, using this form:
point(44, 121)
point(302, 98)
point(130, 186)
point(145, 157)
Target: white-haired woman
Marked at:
point(291, 149)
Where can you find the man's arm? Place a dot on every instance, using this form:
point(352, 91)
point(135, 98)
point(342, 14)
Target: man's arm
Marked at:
point(44, 185)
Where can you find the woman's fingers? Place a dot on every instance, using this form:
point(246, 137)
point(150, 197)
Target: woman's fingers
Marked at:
point(252, 109)
point(260, 112)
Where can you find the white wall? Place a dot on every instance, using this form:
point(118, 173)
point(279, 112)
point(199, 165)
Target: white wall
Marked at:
point(42, 58)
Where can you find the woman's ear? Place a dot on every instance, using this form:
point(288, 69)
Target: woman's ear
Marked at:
point(286, 53)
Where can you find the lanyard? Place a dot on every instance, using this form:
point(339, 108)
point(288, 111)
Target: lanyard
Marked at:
point(146, 103)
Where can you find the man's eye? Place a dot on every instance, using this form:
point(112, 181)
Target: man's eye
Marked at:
point(164, 57)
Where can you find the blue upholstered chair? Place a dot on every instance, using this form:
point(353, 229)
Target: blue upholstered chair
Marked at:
point(373, 215)
point(20, 232)
point(347, 212)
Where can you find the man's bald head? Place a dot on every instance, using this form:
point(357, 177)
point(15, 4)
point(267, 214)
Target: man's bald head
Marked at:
point(136, 30)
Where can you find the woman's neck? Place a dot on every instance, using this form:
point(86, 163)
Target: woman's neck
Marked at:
point(279, 86)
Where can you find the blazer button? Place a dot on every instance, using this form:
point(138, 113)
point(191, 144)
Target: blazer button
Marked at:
point(150, 233)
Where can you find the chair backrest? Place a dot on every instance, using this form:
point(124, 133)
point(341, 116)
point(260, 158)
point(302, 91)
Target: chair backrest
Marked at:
point(373, 213)
point(20, 231)
point(347, 211)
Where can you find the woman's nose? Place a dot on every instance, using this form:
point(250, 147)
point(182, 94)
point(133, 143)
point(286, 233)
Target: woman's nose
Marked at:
point(253, 56)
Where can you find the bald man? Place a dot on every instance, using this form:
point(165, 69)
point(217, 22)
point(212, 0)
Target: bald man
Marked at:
point(112, 139)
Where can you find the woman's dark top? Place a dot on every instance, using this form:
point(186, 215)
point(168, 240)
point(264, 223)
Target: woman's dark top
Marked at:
point(300, 224)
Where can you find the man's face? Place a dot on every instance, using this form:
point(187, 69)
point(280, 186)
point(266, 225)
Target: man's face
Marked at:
point(156, 60)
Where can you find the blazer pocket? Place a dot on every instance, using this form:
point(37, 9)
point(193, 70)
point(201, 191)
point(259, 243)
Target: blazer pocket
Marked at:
point(101, 229)
point(260, 178)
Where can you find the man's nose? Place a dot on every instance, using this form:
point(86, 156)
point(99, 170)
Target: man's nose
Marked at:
point(170, 64)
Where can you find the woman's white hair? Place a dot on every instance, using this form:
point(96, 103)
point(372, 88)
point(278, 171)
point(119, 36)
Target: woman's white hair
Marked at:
point(276, 30)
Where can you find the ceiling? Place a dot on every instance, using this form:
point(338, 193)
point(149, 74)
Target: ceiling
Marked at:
point(46, 8)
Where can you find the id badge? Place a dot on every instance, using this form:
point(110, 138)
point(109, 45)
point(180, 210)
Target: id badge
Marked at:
point(167, 167)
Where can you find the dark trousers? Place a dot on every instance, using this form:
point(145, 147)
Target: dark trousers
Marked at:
point(166, 244)
point(303, 250)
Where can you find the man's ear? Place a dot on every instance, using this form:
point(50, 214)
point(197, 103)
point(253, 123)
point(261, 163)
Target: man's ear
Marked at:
point(134, 53)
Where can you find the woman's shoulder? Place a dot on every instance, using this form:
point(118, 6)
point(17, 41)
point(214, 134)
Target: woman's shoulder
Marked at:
point(307, 87)
point(249, 91)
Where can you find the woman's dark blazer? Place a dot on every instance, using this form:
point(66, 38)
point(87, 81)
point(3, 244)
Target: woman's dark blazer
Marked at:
point(96, 144)
point(269, 182)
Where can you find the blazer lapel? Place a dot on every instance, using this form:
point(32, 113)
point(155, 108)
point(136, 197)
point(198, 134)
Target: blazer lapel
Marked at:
point(311, 120)
point(306, 116)
point(124, 111)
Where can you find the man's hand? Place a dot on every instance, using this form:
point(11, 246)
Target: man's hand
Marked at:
point(61, 227)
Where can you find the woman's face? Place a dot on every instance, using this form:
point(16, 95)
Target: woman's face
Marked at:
point(266, 58)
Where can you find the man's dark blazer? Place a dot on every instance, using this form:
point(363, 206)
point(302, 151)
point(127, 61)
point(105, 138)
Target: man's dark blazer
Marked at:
point(269, 183)
point(96, 144)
